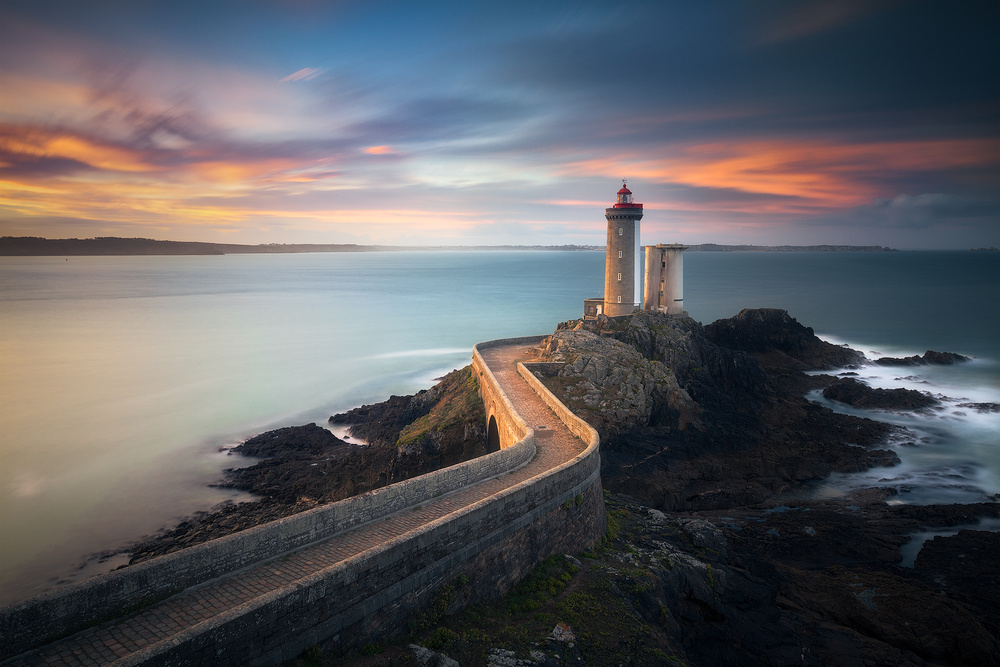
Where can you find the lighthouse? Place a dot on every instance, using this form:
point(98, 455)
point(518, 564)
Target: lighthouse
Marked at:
point(622, 277)
point(661, 288)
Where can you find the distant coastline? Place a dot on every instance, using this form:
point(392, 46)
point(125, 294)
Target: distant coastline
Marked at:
point(12, 246)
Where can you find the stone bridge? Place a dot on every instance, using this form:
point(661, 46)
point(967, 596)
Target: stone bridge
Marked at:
point(349, 572)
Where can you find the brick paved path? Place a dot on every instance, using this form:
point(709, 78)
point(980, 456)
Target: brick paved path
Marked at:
point(127, 637)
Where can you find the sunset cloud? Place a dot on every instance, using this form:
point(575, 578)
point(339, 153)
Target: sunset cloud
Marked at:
point(813, 174)
point(745, 121)
point(304, 74)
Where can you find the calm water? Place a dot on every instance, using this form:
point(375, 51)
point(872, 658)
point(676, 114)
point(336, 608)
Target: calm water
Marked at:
point(121, 377)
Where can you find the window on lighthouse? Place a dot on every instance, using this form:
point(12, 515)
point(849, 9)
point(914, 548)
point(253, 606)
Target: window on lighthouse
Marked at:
point(620, 231)
point(619, 277)
point(619, 254)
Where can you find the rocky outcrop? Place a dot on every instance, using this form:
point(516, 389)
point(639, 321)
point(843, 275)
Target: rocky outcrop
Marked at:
point(613, 386)
point(687, 423)
point(774, 332)
point(930, 357)
point(965, 565)
point(445, 422)
point(860, 395)
point(981, 408)
point(293, 441)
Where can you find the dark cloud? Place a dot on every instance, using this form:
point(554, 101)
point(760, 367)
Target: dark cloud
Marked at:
point(920, 212)
point(31, 168)
point(932, 68)
point(680, 195)
point(440, 119)
point(117, 94)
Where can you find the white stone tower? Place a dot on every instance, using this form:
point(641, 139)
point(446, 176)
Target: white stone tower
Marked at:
point(622, 278)
point(665, 278)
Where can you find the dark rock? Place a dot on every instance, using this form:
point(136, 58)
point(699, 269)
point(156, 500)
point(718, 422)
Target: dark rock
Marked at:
point(810, 584)
point(930, 357)
point(860, 395)
point(307, 440)
point(381, 423)
point(982, 408)
point(773, 331)
point(966, 565)
point(686, 423)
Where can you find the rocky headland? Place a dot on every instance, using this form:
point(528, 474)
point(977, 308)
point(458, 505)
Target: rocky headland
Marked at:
point(704, 432)
point(695, 417)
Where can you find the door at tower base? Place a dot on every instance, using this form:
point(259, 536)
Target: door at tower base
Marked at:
point(593, 307)
point(664, 280)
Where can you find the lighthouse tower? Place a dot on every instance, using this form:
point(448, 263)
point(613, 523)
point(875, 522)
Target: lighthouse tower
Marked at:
point(622, 279)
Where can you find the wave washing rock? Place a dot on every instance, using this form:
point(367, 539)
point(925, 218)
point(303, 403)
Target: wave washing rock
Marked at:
point(860, 395)
point(930, 357)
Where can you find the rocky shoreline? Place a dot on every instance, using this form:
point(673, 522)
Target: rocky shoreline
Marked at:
point(708, 424)
point(307, 466)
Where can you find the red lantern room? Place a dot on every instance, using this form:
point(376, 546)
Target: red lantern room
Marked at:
point(625, 198)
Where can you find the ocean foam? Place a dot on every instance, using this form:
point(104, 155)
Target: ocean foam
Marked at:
point(949, 453)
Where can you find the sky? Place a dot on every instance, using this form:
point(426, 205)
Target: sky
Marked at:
point(477, 123)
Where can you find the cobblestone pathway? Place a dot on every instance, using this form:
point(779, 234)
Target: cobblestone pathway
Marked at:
point(124, 637)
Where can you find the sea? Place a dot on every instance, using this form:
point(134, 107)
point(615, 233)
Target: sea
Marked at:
point(124, 381)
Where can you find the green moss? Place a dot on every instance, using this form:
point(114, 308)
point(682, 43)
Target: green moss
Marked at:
point(556, 591)
point(616, 519)
point(458, 403)
point(432, 615)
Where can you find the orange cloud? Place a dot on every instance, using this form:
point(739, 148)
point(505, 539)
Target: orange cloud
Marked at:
point(812, 174)
point(240, 172)
point(36, 143)
point(379, 150)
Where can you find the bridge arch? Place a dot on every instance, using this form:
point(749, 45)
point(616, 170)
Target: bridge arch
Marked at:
point(492, 435)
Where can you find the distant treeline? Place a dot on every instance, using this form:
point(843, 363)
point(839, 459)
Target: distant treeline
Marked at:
point(713, 247)
point(113, 245)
